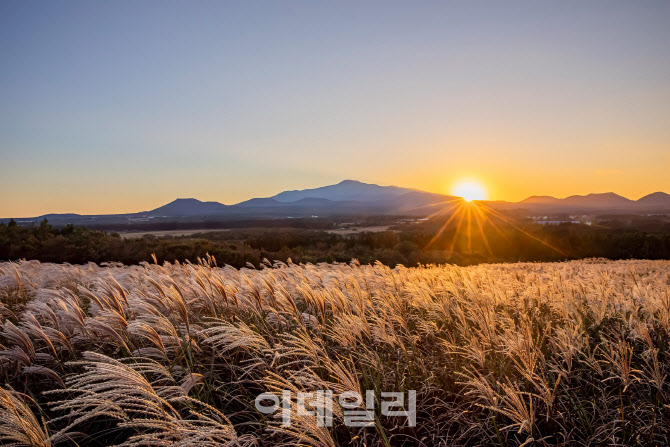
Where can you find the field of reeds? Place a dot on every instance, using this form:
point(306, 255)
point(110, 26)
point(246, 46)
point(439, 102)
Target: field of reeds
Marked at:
point(571, 353)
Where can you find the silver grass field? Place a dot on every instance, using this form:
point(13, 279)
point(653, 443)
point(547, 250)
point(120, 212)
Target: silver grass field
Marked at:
point(572, 353)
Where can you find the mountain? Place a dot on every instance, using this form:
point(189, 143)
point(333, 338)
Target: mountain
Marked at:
point(311, 201)
point(658, 201)
point(188, 207)
point(416, 202)
point(262, 202)
point(607, 200)
point(354, 198)
point(61, 216)
point(346, 190)
point(541, 200)
point(590, 202)
point(346, 197)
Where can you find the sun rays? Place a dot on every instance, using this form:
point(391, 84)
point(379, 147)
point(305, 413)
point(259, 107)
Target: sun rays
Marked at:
point(473, 218)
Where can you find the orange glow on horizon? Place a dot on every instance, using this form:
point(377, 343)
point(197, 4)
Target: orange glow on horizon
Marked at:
point(469, 190)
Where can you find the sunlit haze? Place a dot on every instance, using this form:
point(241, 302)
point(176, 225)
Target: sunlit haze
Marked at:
point(469, 190)
point(124, 106)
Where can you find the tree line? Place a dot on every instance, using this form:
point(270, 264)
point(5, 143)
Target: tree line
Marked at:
point(410, 245)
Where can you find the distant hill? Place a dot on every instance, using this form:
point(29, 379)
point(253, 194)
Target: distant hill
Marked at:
point(188, 207)
point(420, 201)
point(605, 202)
point(655, 201)
point(346, 190)
point(61, 216)
point(541, 200)
point(346, 197)
point(354, 198)
point(265, 201)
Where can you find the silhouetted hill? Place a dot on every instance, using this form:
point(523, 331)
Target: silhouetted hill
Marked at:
point(346, 190)
point(419, 200)
point(354, 198)
point(262, 202)
point(541, 200)
point(61, 216)
point(346, 197)
point(607, 200)
point(659, 201)
point(189, 207)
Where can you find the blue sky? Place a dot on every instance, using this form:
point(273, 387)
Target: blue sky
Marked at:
point(123, 106)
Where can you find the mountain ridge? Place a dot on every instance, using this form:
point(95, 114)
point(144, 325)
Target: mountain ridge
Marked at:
point(187, 207)
point(598, 201)
point(359, 198)
point(345, 190)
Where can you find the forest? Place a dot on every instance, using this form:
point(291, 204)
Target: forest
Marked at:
point(433, 242)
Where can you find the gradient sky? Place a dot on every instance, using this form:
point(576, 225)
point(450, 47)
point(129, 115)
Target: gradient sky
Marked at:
point(123, 106)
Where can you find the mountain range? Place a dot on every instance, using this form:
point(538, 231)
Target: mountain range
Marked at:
point(355, 196)
point(658, 201)
point(346, 197)
point(351, 197)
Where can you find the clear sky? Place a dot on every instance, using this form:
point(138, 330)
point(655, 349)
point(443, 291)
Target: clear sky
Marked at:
point(122, 106)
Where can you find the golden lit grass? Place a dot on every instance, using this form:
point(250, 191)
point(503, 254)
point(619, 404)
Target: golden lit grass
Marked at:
point(571, 353)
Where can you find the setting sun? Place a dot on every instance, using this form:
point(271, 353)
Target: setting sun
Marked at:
point(470, 190)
